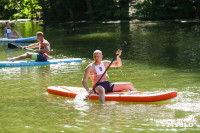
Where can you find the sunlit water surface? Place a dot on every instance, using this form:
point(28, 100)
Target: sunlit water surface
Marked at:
point(158, 57)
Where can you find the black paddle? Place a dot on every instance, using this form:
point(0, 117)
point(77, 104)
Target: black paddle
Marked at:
point(105, 71)
point(12, 45)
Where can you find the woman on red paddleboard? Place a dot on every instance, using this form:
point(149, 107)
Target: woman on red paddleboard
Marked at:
point(96, 69)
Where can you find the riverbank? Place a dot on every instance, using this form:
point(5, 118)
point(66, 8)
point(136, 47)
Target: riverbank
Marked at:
point(18, 20)
point(133, 21)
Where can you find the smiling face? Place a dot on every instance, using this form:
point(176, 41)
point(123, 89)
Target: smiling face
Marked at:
point(97, 55)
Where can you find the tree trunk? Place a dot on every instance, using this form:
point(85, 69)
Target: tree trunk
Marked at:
point(89, 7)
point(71, 13)
point(124, 9)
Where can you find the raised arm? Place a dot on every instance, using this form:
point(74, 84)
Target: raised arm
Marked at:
point(118, 62)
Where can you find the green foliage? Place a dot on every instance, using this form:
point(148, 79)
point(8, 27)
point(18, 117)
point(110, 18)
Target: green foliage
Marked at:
point(14, 9)
point(167, 9)
point(29, 8)
point(85, 9)
point(104, 9)
point(8, 8)
point(65, 10)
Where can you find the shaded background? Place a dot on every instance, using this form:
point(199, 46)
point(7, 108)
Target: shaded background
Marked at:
point(66, 10)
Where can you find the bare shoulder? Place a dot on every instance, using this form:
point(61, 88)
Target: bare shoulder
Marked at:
point(89, 67)
point(45, 42)
point(106, 62)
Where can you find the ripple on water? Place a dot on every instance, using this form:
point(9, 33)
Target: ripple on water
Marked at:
point(186, 101)
point(186, 113)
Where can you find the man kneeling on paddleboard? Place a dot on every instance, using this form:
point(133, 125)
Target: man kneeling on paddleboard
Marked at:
point(96, 69)
point(41, 55)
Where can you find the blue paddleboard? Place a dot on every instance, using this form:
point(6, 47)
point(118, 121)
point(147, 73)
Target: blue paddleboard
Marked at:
point(35, 63)
point(18, 39)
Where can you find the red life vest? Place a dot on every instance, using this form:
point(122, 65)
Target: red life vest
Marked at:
point(41, 47)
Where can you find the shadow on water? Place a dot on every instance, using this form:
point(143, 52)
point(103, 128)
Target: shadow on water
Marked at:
point(173, 45)
point(170, 45)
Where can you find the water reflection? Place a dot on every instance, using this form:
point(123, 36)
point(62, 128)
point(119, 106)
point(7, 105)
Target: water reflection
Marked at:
point(184, 103)
point(151, 61)
point(31, 76)
point(159, 44)
point(165, 44)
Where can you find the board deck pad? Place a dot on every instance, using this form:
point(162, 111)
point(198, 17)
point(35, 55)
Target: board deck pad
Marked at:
point(131, 96)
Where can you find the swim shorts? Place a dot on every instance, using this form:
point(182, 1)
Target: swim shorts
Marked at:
point(8, 35)
point(107, 86)
point(38, 57)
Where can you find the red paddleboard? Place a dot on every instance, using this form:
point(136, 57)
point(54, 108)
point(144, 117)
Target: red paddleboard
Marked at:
point(132, 96)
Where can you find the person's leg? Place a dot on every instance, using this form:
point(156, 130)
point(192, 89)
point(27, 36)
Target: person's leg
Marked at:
point(101, 91)
point(123, 86)
point(15, 33)
point(24, 56)
point(12, 36)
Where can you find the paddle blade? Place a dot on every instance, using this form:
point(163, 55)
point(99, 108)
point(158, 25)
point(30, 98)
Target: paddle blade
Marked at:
point(86, 98)
point(123, 45)
point(12, 46)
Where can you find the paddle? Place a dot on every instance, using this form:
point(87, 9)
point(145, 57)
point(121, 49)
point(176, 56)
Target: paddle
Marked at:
point(105, 71)
point(12, 45)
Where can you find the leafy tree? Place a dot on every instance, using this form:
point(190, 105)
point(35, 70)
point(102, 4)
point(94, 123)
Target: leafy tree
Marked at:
point(167, 9)
point(65, 10)
point(8, 8)
point(14, 9)
point(29, 9)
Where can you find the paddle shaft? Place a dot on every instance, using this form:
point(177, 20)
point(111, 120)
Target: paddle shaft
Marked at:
point(12, 45)
point(19, 46)
point(105, 70)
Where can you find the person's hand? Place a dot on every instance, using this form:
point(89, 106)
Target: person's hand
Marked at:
point(119, 52)
point(90, 92)
point(24, 47)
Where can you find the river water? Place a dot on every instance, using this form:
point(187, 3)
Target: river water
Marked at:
point(159, 56)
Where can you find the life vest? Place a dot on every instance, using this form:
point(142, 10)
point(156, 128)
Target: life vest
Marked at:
point(41, 47)
point(8, 32)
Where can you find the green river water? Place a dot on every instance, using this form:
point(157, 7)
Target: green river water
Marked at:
point(159, 56)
